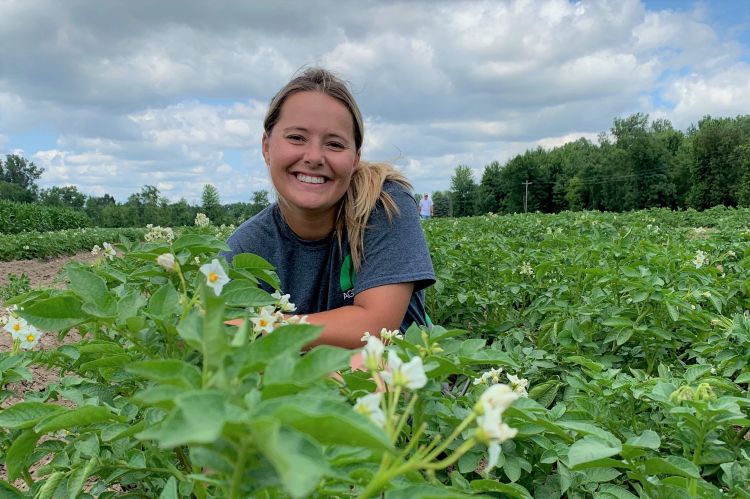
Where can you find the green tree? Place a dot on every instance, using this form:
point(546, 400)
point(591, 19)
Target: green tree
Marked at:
point(463, 192)
point(68, 195)
point(492, 190)
point(441, 204)
point(210, 203)
point(21, 173)
point(259, 202)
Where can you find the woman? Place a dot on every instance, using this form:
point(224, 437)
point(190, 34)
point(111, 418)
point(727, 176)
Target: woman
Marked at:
point(344, 236)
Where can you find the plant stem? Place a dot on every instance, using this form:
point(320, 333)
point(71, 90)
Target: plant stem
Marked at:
point(239, 472)
point(461, 427)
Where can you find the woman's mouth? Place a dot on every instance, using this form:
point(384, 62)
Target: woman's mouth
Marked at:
point(310, 179)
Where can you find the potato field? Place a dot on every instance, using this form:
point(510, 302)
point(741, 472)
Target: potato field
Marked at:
point(583, 355)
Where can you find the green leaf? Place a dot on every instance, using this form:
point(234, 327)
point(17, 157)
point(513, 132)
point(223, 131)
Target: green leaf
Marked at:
point(196, 244)
point(78, 477)
point(545, 393)
point(170, 489)
point(649, 439)
point(287, 338)
point(19, 453)
point(108, 361)
point(26, 414)
point(242, 293)
point(424, 491)
point(199, 417)
point(587, 363)
point(81, 416)
point(321, 362)
point(692, 373)
point(92, 289)
point(164, 303)
point(616, 321)
point(250, 261)
point(591, 448)
point(509, 489)
point(674, 313)
point(47, 491)
point(55, 313)
point(743, 378)
point(169, 371)
point(7, 491)
point(672, 465)
point(298, 462)
point(329, 422)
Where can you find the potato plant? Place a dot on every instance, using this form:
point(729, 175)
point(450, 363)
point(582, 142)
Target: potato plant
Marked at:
point(582, 355)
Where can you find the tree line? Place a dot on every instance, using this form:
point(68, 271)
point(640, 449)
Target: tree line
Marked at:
point(640, 164)
point(18, 178)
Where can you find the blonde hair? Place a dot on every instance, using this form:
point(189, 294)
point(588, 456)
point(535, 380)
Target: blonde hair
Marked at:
point(366, 186)
point(363, 194)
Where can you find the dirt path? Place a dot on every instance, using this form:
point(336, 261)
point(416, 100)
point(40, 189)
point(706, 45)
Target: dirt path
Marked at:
point(40, 272)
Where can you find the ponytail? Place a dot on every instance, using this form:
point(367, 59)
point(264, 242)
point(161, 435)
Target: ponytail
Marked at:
point(365, 190)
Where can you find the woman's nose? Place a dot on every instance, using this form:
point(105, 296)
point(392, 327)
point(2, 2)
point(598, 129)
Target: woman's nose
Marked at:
point(314, 154)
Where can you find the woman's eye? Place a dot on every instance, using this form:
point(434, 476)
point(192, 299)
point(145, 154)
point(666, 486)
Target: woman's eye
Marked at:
point(295, 138)
point(336, 145)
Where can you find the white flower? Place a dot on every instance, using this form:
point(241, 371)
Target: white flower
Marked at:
point(109, 251)
point(30, 338)
point(410, 374)
point(167, 261)
point(518, 385)
point(283, 302)
point(372, 353)
point(215, 275)
point(266, 321)
point(700, 259)
point(493, 432)
point(196, 260)
point(387, 335)
point(158, 233)
point(496, 398)
point(526, 269)
point(369, 405)
point(17, 327)
point(365, 337)
point(489, 377)
point(297, 319)
point(201, 220)
point(26, 247)
point(95, 250)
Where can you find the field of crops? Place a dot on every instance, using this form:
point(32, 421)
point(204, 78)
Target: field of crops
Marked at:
point(578, 355)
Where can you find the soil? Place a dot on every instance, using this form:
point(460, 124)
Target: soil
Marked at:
point(42, 274)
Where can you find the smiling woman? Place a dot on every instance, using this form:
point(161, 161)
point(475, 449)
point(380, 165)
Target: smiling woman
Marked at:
point(345, 235)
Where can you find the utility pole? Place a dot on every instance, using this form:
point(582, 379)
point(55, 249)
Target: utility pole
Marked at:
point(526, 196)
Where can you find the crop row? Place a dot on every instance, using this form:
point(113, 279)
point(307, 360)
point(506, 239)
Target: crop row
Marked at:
point(40, 245)
point(26, 217)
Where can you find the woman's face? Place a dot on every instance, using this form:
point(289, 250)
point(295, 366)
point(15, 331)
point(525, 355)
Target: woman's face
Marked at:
point(311, 154)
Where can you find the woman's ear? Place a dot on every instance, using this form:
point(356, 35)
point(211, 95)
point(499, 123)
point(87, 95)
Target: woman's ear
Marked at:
point(356, 159)
point(264, 148)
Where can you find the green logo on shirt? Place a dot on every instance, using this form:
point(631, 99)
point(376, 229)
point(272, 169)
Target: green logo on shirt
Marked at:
point(346, 277)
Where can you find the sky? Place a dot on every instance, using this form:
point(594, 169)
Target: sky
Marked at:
point(112, 95)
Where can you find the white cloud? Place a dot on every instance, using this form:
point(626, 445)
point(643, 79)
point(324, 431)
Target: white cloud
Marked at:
point(174, 95)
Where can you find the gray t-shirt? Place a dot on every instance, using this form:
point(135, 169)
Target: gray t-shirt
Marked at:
point(319, 276)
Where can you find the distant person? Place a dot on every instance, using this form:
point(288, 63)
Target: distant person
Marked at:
point(425, 207)
point(344, 236)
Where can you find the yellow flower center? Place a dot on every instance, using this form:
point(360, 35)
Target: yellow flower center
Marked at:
point(263, 323)
point(30, 338)
point(213, 277)
point(16, 327)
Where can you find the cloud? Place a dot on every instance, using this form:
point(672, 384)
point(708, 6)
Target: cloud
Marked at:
point(173, 94)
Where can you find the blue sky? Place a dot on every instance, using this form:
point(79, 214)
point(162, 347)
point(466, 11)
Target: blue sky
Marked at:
point(110, 96)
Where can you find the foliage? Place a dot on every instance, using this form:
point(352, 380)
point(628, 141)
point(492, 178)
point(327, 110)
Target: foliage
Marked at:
point(441, 204)
point(21, 173)
point(24, 217)
point(210, 202)
point(16, 286)
point(463, 192)
point(68, 195)
point(38, 245)
point(631, 332)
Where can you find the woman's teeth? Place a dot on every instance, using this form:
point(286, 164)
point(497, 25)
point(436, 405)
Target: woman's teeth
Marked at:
point(310, 180)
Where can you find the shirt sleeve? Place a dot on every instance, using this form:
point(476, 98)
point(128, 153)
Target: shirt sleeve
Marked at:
point(395, 251)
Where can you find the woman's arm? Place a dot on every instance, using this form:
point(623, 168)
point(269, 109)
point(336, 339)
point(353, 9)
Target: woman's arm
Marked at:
point(373, 309)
